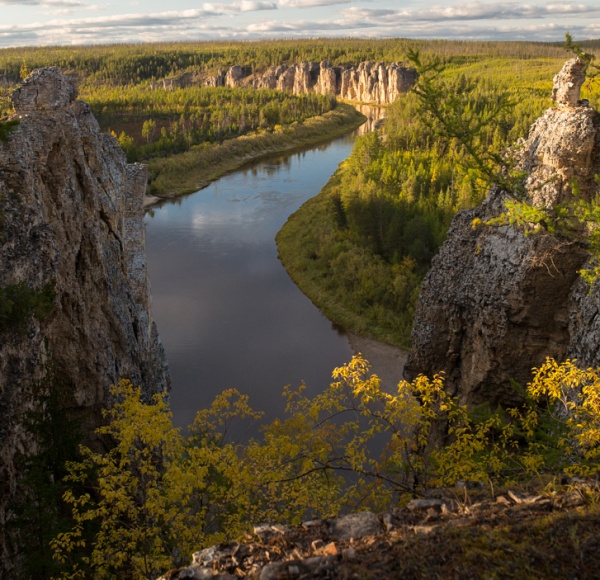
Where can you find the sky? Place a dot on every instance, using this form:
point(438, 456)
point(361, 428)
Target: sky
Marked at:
point(64, 22)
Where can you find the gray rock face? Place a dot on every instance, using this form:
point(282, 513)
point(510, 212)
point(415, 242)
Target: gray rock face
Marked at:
point(234, 74)
point(354, 526)
point(328, 79)
point(44, 90)
point(568, 82)
point(73, 219)
point(493, 305)
point(369, 82)
point(496, 302)
point(376, 83)
point(563, 148)
point(584, 324)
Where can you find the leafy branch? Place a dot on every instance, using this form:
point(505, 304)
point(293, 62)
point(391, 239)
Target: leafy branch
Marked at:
point(573, 47)
point(157, 497)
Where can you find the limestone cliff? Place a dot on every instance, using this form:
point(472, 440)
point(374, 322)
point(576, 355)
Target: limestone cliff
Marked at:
point(495, 302)
point(369, 82)
point(72, 218)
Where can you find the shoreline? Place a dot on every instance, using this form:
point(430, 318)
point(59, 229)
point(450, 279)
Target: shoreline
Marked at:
point(203, 165)
point(386, 361)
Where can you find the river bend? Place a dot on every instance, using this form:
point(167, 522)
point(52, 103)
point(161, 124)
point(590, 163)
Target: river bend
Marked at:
point(227, 311)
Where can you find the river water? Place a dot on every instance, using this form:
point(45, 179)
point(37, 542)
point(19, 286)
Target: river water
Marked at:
point(227, 311)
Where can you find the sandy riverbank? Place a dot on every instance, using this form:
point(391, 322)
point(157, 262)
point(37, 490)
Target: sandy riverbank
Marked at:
point(387, 361)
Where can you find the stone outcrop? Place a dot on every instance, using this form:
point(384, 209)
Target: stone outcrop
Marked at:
point(568, 83)
point(407, 542)
point(369, 82)
point(496, 302)
point(72, 218)
point(376, 82)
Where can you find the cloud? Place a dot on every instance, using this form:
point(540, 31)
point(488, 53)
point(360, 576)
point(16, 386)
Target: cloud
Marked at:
point(310, 3)
point(500, 11)
point(251, 6)
point(47, 3)
point(116, 28)
point(241, 20)
point(238, 7)
point(476, 14)
point(303, 28)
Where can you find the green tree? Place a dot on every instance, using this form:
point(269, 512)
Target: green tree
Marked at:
point(19, 303)
point(39, 513)
point(6, 127)
point(454, 114)
point(148, 129)
point(24, 70)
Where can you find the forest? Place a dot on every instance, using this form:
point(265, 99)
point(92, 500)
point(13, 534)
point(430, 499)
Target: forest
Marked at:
point(120, 65)
point(150, 124)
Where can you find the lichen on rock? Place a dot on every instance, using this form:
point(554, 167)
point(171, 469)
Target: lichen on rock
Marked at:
point(568, 82)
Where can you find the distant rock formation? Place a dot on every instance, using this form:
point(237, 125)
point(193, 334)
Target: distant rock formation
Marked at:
point(369, 82)
point(72, 218)
point(496, 302)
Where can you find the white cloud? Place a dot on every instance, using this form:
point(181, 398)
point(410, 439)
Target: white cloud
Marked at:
point(500, 11)
point(242, 6)
point(46, 3)
point(251, 6)
point(310, 3)
point(241, 19)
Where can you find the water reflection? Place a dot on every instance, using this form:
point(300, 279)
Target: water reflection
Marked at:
point(375, 116)
point(228, 313)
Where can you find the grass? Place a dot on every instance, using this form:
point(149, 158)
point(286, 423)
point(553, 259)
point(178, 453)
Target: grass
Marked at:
point(308, 245)
point(190, 171)
point(557, 545)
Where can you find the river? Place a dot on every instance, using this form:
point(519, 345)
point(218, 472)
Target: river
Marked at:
point(227, 311)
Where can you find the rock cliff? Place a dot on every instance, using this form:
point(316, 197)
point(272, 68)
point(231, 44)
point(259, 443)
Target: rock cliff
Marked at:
point(496, 302)
point(72, 218)
point(369, 82)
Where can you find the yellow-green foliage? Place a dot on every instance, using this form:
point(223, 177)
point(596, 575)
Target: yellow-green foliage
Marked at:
point(557, 429)
point(573, 399)
point(156, 496)
point(164, 122)
point(134, 63)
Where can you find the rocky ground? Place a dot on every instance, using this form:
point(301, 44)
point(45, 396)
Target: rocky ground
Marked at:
point(452, 533)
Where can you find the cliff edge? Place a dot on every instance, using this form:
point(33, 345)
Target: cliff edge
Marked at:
point(496, 302)
point(368, 82)
point(71, 219)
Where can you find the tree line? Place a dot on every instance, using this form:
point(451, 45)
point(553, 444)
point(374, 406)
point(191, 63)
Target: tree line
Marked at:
point(121, 64)
point(152, 123)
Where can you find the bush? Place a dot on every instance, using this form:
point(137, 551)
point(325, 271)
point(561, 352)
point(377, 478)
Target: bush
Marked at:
point(157, 496)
